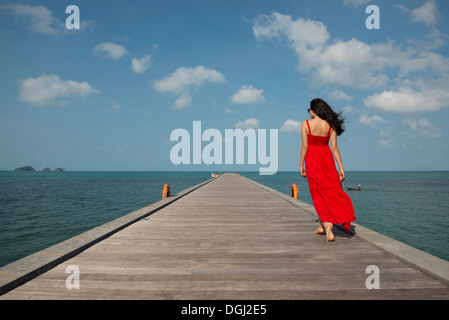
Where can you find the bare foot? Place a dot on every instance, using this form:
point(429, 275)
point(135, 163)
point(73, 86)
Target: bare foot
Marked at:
point(329, 235)
point(320, 229)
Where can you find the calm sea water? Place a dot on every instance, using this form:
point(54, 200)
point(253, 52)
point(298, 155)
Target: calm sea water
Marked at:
point(40, 209)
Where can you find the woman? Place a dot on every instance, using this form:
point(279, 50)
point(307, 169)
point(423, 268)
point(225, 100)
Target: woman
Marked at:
point(331, 203)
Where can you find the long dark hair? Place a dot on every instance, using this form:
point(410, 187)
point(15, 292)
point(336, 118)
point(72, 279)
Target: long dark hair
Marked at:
point(325, 112)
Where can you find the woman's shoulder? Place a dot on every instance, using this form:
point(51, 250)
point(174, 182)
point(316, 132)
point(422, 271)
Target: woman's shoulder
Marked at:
point(305, 123)
point(304, 127)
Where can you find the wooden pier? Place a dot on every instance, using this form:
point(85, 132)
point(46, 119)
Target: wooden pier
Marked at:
point(229, 238)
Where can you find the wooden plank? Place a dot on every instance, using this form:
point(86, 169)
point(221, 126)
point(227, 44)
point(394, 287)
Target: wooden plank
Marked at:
point(231, 239)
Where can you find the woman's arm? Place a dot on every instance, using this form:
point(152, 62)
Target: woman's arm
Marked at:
point(337, 156)
point(304, 147)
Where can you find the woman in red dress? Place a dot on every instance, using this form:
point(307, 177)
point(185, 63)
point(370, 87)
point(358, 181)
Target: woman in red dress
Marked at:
point(331, 203)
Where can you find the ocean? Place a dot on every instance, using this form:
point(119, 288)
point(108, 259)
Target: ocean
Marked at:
point(40, 209)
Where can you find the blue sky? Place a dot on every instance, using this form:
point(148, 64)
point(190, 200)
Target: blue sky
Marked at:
point(107, 96)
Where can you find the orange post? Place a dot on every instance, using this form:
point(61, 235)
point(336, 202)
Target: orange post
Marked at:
point(294, 191)
point(166, 192)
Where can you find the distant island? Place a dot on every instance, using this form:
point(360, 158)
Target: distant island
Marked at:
point(30, 168)
point(26, 168)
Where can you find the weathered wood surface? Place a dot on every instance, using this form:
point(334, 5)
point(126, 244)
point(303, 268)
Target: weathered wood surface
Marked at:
point(231, 239)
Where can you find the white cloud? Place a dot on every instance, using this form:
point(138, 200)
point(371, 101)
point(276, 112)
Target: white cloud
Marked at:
point(183, 101)
point(140, 65)
point(115, 105)
point(302, 33)
point(291, 126)
point(247, 95)
point(228, 110)
point(102, 147)
point(348, 63)
point(352, 63)
point(426, 14)
point(112, 50)
point(424, 60)
point(248, 124)
point(408, 100)
point(371, 121)
point(182, 80)
point(46, 89)
point(355, 3)
point(40, 19)
point(339, 95)
point(386, 143)
point(423, 127)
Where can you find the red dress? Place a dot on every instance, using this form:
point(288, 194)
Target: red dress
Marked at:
point(330, 201)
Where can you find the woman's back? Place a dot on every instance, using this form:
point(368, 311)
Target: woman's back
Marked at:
point(319, 127)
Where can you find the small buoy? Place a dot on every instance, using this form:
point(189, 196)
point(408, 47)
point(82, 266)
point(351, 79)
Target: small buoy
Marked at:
point(166, 192)
point(294, 191)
